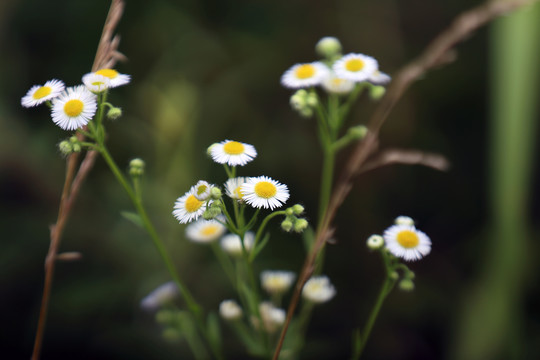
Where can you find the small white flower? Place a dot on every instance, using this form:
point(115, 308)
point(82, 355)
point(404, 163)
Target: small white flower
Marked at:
point(335, 85)
point(277, 282)
point(230, 310)
point(375, 242)
point(304, 75)
point(202, 190)
point(74, 108)
point(115, 78)
point(272, 317)
point(264, 192)
point(205, 231)
point(96, 83)
point(161, 295)
point(39, 94)
point(379, 78)
point(404, 220)
point(232, 188)
point(232, 153)
point(318, 289)
point(355, 67)
point(232, 244)
point(406, 242)
point(188, 208)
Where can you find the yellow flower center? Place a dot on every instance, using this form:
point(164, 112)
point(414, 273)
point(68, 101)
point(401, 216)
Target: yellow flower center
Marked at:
point(110, 73)
point(233, 148)
point(42, 92)
point(238, 192)
point(354, 65)
point(98, 84)
point(210, 230)
point(265, 189)
point(192, 204)
point(337, 81)
point(305, 71)
point(408, 239)
point(73, 108)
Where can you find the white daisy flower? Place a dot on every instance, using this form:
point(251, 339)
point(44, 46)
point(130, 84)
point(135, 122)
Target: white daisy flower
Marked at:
point(205, 231)
point(264, 192)
point(116, 79)
point(96, 83)
point(202, 190)
point(335, 85)
point(406, 242)
point(232, 188)
point(379, 78)
point(304, 75)
point(230, 310)
point(188, 208)
point(232, 244)
point(39, 94)
point(272, 317)
point(232, 153)
point(355, 67)
point(277, 282)
point(318, 289)
point(74, 108)
point(161, 295)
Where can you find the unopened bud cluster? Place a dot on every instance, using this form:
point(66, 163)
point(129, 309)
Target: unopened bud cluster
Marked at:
point(292, 222)
point(70, 146)
point(136, 167)
point(304, 102)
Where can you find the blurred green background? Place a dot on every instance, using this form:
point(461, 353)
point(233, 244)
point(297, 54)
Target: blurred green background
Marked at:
point(205, 71)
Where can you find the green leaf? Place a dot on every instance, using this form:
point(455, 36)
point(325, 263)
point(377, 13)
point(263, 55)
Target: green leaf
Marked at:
point(214, 331)
point(133, 217)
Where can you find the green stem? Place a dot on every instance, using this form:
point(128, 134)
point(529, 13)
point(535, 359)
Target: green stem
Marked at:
point(261, 230)
point(327, 175)
point(193, 307)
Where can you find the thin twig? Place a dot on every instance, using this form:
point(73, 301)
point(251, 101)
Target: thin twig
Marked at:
point(406, 157)
point(106, 55)
point(438, 53)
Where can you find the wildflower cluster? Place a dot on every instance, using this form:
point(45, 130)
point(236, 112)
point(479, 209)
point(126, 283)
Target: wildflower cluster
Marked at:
point(338, 75)
point(218, 216)
point(401, 240)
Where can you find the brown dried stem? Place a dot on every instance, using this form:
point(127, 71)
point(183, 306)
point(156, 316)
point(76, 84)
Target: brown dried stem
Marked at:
point(106, 56)
point(440, 52)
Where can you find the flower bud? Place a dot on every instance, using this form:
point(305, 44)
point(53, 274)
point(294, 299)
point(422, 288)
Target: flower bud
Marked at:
point(406, 285)
point(298, 209)
point(287, 225)
point(312, 100)
point(306, 112)
point(375, 242)
point(136, 167)
point(215, 193)
point(114, 113)
point(376, 92)
point(357, 132)
point(300, 225)
point(328, 47)
point(394, 275)
point(73, 140)
point(289, 211)
point(404, 220)
point(76, 148)
point(65, 147)
point(165, 317)
point(211, 213)
point(297, 102)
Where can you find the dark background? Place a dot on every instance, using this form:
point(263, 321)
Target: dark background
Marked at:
point(205, 71)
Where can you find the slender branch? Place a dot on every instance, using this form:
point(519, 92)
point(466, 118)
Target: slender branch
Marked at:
point(438, 53)
point(106, 54)
point(407, 157)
